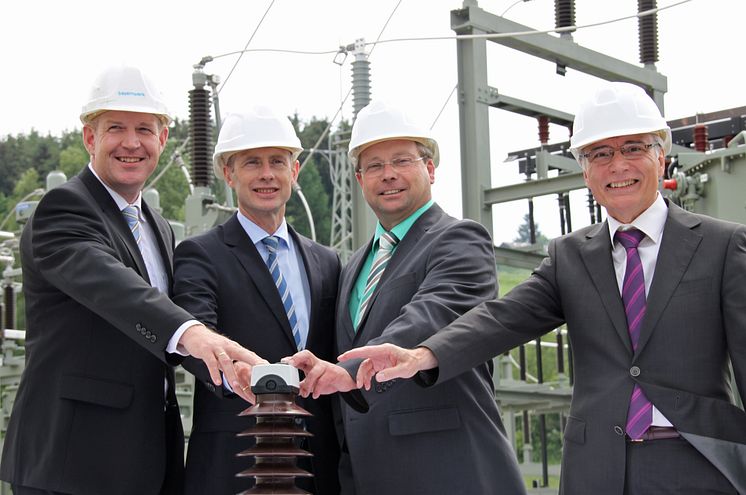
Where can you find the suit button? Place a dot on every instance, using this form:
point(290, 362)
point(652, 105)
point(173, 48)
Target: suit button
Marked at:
point(138, 327)
point(619, 430)
point(148, 334)
point(379, 388)
point(210, 387)
point(634, 371)
point(153, 338)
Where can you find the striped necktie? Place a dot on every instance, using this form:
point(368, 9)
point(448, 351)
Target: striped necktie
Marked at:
point(131, 214)
point(273, 243)
point(640, 414)
point(386, 244)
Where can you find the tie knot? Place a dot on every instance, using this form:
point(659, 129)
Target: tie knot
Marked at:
point(630, 239)
point(272, 242)
point(131, 214)
point(388, 241)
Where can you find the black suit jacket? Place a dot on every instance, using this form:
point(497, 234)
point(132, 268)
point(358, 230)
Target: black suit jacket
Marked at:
point(695, 320)
point(222, 280)
point(403, 439)
point(90, 416)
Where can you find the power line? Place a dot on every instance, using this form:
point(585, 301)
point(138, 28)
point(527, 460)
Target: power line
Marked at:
point(246, 46)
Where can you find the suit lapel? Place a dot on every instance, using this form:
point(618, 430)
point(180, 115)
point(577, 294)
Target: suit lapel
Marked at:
point(239, 243)
point(407, 245)
point(313, 275)
point(596, 254)
point(114, 218)
point(350, 275)
point(162, 233)
point(677, 249)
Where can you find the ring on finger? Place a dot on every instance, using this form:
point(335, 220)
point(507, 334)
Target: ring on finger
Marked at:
point(222, 353)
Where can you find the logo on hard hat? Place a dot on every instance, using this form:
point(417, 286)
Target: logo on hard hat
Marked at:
point(131, 93)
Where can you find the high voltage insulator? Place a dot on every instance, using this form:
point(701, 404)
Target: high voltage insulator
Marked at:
point(200, 137)
point(360, 78)
point(648, 28)
point(564, 13)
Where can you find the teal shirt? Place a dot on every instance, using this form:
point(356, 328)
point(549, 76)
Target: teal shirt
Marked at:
point(399, 231)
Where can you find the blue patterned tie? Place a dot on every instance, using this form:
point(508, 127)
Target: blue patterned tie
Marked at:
point(132, 216)
point(273, 243)
point(640, 415)
point(386, 244)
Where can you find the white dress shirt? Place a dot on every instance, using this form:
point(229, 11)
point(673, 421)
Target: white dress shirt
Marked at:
point(651, 223)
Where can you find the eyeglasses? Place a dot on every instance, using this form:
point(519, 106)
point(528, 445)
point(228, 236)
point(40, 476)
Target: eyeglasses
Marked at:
point(376, 168)
point(630, 151)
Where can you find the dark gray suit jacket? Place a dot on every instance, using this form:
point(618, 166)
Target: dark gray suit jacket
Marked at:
point(695, 320)
point(220, 278)
point(90, 416)
point(446, 440)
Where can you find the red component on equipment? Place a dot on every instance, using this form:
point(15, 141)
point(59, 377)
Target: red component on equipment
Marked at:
point(671, 184)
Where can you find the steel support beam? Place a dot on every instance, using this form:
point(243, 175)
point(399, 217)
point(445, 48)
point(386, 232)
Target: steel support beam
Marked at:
point(561, 183)
point(474, 128)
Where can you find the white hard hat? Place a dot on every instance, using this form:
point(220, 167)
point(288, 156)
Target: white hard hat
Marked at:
point(126, 89)
point(617, 109)
point(260, 127)
point(378, 122)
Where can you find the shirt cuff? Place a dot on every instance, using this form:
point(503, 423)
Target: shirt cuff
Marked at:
point(173, 344)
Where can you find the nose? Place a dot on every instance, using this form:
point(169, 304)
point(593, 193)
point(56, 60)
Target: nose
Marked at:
point(618, 161)
point(131, 139)
point(389, 171)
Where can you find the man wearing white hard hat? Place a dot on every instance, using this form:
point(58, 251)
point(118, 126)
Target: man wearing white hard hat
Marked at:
point(655, 304)
point(96, 408)
point(399, 438)
point(229, 278)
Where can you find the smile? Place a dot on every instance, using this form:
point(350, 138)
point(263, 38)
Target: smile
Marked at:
point(391, 191)
point(265, 190)
point(624, 183)
point(129, 159)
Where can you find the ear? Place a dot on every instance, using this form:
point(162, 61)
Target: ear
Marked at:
point(89, 139)
point(359, 178)
point(163, 137)
point(431, 170)
point(294, 170)
point(228, 175)
point(661, 165)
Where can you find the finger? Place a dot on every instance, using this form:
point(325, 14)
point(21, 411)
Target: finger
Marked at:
point(401, 370)
point(245, 393)
point(309, 384)
point(364, 374)
point(372, 351)
point(226, 364)
point(213, 368)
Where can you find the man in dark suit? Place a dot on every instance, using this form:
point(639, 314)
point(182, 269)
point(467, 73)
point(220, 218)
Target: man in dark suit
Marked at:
point(222, 278)
point(652, 325)
point(400, 438)
point(96, 410)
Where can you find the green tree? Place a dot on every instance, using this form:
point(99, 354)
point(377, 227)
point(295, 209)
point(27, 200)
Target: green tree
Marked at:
point(524, 233)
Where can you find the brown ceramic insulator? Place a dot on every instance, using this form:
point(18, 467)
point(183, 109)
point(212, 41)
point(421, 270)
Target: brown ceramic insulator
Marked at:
point(275, 467)
point(700, 137)
point(274, 405)
point(275, 447)
point(278, 486)
point(543, 129)
point(271, 427)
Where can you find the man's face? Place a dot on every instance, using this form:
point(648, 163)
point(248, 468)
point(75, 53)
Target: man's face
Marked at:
point(626, 185)
point(125, 148)
point(394, 193)
point(263, 180)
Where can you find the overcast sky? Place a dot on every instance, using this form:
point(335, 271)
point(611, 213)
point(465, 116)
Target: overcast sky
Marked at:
point(51, 51)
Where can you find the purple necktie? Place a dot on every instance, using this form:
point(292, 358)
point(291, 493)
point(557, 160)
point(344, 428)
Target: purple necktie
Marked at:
point(640, 414)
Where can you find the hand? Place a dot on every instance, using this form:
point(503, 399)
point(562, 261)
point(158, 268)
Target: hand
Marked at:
point(387, 361)
point(218, 353)
point(243, 371)
point(322, 377)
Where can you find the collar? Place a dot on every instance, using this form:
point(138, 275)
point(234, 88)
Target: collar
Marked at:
point(256, 233)
point(650, 221)
point(401, 229)
point(118, 199)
